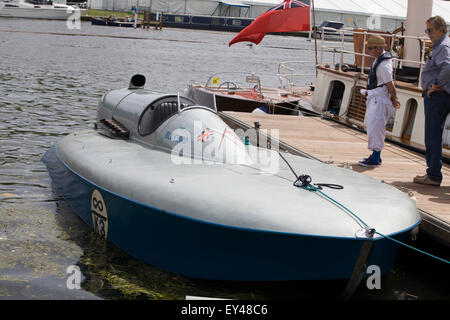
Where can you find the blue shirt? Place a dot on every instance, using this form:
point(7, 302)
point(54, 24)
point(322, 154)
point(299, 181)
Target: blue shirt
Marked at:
point(437, 68)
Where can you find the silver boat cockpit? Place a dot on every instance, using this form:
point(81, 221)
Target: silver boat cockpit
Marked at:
point(173, 123)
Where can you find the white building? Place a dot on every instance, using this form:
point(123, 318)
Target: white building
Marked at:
point(373, 14)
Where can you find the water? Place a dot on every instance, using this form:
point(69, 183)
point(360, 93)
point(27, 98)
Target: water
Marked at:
point(50, 81)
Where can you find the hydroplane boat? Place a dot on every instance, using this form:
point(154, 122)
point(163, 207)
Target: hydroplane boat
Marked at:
point(168, 181)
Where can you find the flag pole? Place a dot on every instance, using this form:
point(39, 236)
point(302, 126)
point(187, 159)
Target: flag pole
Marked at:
point(315, 32)
point(310, 25)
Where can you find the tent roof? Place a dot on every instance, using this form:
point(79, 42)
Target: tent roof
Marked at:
point(234, 3)
point(393, 8)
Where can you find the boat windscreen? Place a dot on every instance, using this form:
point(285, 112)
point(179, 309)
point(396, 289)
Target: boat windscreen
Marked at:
point(202, 97)
point(331, 24)
point(46, 2)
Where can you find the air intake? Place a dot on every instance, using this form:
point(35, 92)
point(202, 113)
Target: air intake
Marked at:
point(137, 82)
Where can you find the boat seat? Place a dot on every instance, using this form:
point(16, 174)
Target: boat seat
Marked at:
point(156, 113)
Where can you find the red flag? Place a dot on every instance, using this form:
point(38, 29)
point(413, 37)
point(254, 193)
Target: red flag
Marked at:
point(289, 16)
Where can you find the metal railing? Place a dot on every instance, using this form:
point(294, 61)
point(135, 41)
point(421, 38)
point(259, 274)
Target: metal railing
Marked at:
point(397, 61)
point(288, 74)
point(246, 82)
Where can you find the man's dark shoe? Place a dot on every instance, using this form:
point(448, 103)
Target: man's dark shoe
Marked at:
point(368, 162)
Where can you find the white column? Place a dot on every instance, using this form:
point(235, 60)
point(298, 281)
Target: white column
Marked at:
point(418, 12)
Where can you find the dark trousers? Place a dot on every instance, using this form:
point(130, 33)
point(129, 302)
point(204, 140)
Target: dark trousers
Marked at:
point(437, 107)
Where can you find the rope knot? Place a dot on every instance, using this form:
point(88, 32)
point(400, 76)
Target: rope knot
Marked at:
point(304, 181)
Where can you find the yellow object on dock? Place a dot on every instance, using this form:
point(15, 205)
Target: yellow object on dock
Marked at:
point(343, 146)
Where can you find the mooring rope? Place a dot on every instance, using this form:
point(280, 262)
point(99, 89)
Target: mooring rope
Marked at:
point(306, 184)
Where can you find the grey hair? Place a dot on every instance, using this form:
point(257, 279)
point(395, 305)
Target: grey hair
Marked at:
point(438, 23)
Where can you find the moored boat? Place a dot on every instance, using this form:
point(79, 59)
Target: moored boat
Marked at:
point(205, 22)
point(36, 9)
point(247, 92)
point(165, 179)
point(121, 22)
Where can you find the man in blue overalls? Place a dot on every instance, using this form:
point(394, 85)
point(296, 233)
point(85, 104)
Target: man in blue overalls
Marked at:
point(436, 89)
point(381, 99)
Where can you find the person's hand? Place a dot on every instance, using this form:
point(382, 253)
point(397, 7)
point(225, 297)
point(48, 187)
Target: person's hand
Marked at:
point(396, 103)
point(433, 88)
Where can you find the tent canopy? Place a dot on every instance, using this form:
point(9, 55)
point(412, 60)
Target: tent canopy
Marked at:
point(391, 9)
point(234, 4)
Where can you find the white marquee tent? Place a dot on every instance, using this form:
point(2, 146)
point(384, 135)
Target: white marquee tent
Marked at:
point(366, 13)
point(374, 14)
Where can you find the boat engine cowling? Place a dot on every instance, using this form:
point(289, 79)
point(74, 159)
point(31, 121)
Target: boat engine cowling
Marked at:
point(171, 123)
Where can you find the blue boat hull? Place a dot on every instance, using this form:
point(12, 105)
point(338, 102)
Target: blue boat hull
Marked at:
point(199, 249)
point(234, 24)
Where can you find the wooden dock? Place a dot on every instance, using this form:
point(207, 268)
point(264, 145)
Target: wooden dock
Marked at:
point(147, 22)
point(330, 141)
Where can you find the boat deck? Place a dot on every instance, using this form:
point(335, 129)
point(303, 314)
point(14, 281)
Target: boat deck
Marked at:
point(329, 141)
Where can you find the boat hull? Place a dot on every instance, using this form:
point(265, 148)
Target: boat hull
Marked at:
point(200, 249)
point(234, 24)
point(36, 13)
point(246, 101)
point(225, 103)
point(105, 22)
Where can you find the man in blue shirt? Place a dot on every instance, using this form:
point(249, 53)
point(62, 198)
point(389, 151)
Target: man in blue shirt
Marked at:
point(436, 88)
